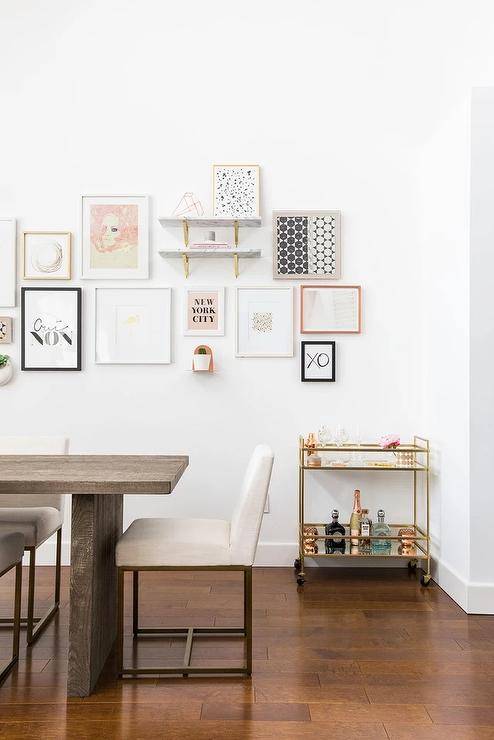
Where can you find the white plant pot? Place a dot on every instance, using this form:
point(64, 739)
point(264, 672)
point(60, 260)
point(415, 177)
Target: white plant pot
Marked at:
point(6, 372)
point(201, 362)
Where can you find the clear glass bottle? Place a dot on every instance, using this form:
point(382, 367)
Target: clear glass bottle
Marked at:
point(381, 529)
point(335, 546)
point(365, 532)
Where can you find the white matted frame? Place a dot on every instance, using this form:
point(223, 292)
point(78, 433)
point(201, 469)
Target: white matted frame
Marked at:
point(264, 322)
point(236, 190)
point(115, 237)
point(46, 255)
point(133, 326)
point(7, 261)
point(306, 245)
point(330, 309)
point(204, 312)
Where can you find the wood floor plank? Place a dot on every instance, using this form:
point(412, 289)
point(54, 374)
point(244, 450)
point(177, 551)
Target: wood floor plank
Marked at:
point(286, 712)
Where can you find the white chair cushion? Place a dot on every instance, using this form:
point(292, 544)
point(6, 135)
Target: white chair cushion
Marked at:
point(11, 549)
point(36, 523)
point(159, 542)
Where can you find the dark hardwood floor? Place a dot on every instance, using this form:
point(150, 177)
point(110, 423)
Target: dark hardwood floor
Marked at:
point(356, 654)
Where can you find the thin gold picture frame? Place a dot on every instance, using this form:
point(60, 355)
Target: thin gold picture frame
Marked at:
point(67, 235)
point(257, 167)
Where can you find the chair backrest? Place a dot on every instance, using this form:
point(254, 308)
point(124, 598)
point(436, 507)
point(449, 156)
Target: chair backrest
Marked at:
point(247, 517)
point(33, 446)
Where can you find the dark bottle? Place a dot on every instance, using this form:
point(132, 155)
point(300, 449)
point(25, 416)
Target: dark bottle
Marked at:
point(336, 545)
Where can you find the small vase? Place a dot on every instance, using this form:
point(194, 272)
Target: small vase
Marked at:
point(6, 372)
point(201, 362)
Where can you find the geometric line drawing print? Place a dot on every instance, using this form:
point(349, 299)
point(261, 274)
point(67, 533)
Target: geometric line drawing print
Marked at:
point(322, 245)
point(306, 245)
point(292, 242)
point(262, 321)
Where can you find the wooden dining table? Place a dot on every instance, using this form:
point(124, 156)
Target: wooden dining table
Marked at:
point(97, 484)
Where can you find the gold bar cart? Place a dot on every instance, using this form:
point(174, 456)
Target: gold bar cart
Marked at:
point(419, 466)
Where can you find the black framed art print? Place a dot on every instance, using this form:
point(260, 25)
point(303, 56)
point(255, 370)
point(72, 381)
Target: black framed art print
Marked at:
point(318, 360)
point(51, 328)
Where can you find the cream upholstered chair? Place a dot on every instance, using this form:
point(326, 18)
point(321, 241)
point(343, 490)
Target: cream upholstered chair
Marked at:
point(11, 551)
point(197, 544)
point(37, 517)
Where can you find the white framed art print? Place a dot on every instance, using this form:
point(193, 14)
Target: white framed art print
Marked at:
point(330, 309)
point(236, 190)
point(7, 262)
point(204, 312)
point(115, 237)
point(264, 322)
point(133, 326)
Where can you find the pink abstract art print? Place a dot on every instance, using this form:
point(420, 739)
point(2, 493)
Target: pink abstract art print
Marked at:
point(114, 236)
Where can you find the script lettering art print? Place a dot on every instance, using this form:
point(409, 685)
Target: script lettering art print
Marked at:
point(318, 362)
point(51, 328)
point(204, 313)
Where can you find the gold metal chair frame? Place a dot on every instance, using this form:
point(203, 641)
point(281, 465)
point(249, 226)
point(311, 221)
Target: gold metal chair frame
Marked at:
point(36, 625)
point(188, 633)
point(4, 672)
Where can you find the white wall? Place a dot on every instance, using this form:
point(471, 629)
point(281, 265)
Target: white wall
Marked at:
point(481, 588)
point(336, 101)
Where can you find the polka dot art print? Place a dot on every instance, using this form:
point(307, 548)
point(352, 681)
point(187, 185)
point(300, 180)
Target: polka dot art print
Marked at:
point(236, 190)
point(306, 244)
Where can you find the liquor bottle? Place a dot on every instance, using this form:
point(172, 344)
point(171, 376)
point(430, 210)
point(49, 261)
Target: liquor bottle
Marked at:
point(381, 529)
point(365, 530)
point(355, 522)
point(334, 528)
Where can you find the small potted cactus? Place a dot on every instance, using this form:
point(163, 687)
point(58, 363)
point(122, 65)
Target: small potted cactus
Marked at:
point(6, 369)
point(201, 359)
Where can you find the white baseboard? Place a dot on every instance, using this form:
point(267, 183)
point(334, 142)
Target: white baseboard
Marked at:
point(474, 598)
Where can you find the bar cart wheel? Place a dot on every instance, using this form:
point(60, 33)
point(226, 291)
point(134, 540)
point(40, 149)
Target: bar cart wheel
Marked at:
point(297, 564)
point(425, 580)
point(300, 580)
point(412, 565)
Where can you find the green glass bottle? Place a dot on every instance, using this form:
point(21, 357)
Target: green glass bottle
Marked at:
point(381, 529)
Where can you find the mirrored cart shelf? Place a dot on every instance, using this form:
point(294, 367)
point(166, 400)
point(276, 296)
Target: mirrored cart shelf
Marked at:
point(214, 222)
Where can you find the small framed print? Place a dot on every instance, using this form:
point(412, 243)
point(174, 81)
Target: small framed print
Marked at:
point(7, 261)
point(51, 328)
point(204, 312)
point(5, 329)
point(318, 362)
point(236, 190)
point(306, 245)
point(133, 326)
point(330, 309)
point(115, 237)
point(46, 255)
point(264, 322)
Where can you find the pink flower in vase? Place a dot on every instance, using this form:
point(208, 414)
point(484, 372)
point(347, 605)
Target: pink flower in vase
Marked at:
point(389, 441)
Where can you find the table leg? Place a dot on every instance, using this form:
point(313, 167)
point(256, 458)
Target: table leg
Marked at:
point(96, 527)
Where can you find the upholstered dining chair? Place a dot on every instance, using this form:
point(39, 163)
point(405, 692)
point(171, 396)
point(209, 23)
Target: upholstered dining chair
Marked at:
point(11, 552)
point(201, 545)
point(37, 517)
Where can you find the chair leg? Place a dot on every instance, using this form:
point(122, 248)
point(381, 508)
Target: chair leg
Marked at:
point(248, 618)
point(135, 602)
point(120, 619)
point(17, 611)
point(30, 595)
point(17, 624)
point(36, 625)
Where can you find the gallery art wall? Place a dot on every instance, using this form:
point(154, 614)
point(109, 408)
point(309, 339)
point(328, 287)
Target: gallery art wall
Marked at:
point(338, 103)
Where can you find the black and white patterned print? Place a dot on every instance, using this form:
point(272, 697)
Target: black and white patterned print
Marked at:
point(236, 191)
point(292, 245)
point(322, 245)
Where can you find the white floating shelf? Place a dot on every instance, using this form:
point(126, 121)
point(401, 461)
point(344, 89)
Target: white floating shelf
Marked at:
point(210, 252)
point(186, 254)
point(213, 221)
